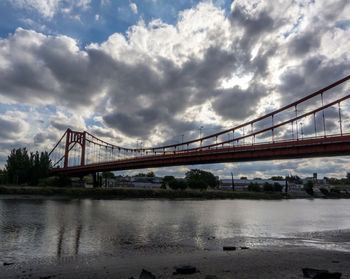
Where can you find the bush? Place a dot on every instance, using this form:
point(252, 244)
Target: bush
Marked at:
point(177, 184)
point(277, 187)
point(308, 187)
point(253, 187)
point(201, 176)
point(333, 190)
point(267, 187)
point(197, 184)
point(324, 191)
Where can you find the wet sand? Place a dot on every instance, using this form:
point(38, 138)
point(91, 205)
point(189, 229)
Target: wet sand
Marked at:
point(263, 262)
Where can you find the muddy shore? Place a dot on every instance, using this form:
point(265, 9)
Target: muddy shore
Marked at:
point(256, 262)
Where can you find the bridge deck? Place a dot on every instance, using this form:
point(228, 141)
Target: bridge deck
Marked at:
point(313, 147)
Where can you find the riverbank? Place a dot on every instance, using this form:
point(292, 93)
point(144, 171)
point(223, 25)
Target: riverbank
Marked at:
point(275, 262)
point(136, 193)
point(122, 193)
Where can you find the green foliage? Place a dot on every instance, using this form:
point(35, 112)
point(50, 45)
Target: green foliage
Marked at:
point(277, 187)
point(199, 179)
point(108, 174)
point(308, 187)
point(253, 187)
point(333, 190)
point(277, 178)
point(324, 191)
point(24, 168)
point(294, 179)
point(341, 181)
point(243, 177)
point(149, 174)
point(3, 177)
point(55, 181)
point(167, 180)
point(136, 193)
point(267, 187)
point(177, 184)
point(197, 184)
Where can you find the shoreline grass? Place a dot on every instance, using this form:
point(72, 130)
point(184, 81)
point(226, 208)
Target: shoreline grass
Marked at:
point(136, 193)
point(123, 193)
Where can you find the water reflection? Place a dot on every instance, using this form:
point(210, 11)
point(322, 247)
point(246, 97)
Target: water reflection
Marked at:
point(60, 228)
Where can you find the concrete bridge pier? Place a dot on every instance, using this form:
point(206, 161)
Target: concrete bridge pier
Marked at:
point(96, 180)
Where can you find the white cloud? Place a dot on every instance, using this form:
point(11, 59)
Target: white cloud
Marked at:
point(48, 8)
point(159, 81)
point(133, 7)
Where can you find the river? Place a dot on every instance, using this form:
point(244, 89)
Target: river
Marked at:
point(48, 229)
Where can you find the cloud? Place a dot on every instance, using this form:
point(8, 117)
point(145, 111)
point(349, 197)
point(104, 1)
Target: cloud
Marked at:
point(133, 7)
point(158, 81)
point(48, 8)
point(9, 128)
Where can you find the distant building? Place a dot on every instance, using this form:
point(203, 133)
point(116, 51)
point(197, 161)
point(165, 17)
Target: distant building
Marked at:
point(135, 181)
point(242, 184)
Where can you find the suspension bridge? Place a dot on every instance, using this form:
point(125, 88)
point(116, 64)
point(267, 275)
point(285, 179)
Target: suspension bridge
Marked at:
point(314, 126)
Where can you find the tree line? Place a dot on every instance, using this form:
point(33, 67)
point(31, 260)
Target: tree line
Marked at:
point(194, 179)
point(23, 167)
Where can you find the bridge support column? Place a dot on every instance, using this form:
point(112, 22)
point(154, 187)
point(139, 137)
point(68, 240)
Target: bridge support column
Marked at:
point(68, 134)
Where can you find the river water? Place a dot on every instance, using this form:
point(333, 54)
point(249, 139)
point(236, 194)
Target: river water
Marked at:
point(41, 228)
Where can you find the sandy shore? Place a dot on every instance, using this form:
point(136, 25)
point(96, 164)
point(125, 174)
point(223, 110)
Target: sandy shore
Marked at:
point(277, 262)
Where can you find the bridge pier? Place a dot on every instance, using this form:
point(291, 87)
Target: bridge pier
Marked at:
point(96, 180)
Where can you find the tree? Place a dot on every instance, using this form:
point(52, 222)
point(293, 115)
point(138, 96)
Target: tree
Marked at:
point(308, 187)
point(277, 187)
point(243, 177)
point(177, 184)
point(324, 191)
point(17, 166)
point(267, 187)
point(253, 187)
point(294, 179)
point(22, 167)
point(277, 178)
point(348, 177)
point(150, 174)
point(199, 179)
point(167, 180)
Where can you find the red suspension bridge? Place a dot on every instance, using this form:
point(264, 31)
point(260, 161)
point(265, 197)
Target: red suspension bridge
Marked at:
point(314, 126)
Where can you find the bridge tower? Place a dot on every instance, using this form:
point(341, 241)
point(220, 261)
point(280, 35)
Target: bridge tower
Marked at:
point(74, 137)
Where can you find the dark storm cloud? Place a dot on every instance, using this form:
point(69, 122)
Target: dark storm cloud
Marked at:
point(156, 97)
point(42, 137)
point(44, 69)
point(304, 43)
point(237, 103)
point(311, 75)
point(9, 129)
point(253, 25)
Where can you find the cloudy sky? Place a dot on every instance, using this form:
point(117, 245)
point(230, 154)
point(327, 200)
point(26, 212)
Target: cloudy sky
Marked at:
point(152, 70)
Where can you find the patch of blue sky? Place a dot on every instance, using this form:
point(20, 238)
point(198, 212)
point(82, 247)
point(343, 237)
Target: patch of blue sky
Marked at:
point(294, 28)
point(97, 22)
point(343, 24)
point(14, 107)
point(92, 121)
